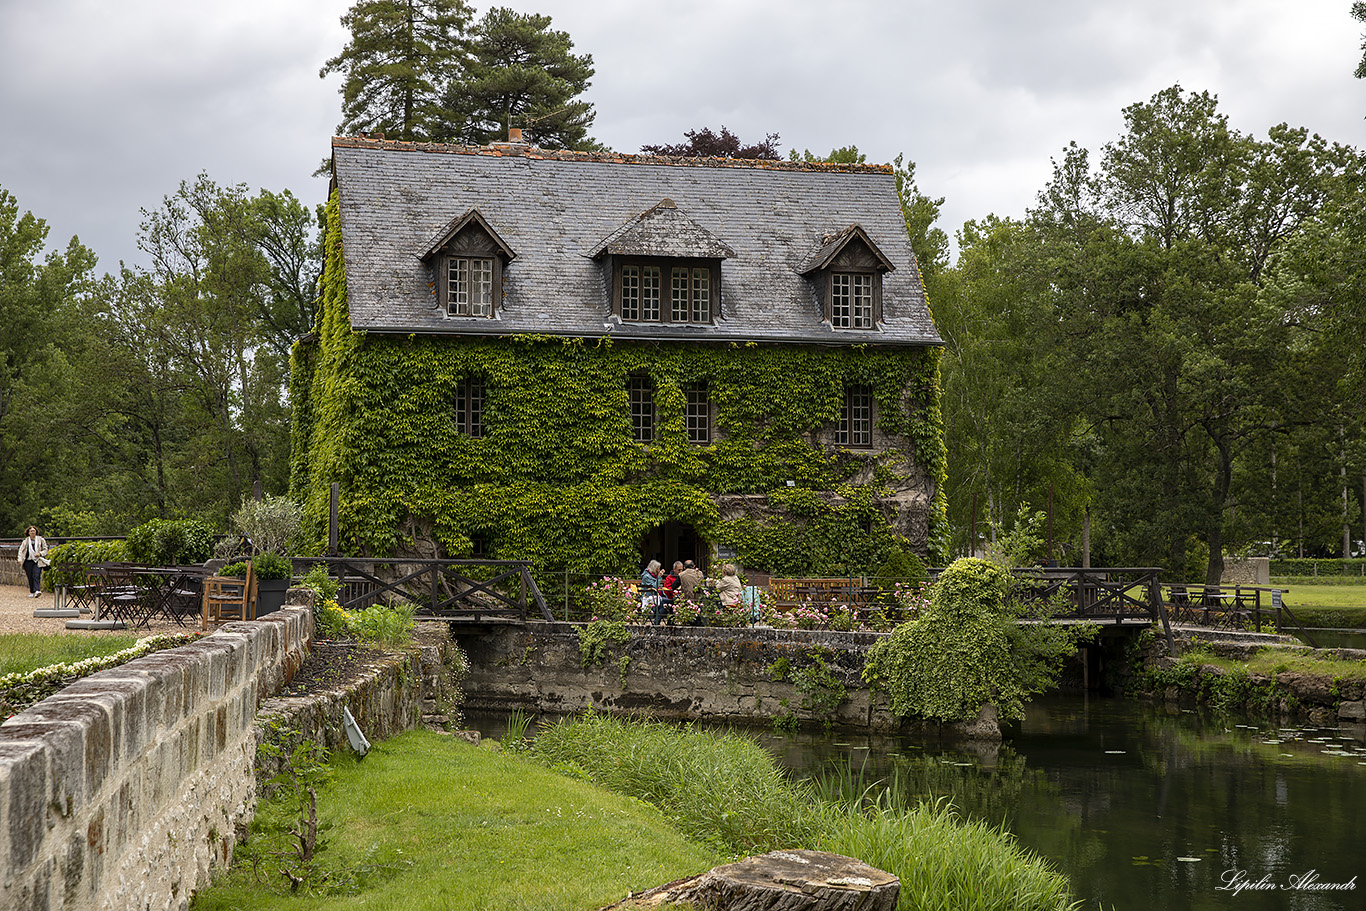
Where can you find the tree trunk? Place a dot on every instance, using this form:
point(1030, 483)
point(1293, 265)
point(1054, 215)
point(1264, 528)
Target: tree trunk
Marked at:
point(782, 881)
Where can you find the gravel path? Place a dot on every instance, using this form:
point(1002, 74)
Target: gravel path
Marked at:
point(16, 616)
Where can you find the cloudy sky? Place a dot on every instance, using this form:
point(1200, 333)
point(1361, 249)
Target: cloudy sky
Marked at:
point(106, 106)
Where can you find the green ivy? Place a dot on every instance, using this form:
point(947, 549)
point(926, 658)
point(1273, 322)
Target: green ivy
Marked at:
point(557, 478)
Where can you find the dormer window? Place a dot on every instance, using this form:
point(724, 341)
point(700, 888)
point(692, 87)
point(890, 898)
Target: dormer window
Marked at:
point(664, 268)
point(469, 286)
point(468, 258)
point(851, 300)
point(846, 269)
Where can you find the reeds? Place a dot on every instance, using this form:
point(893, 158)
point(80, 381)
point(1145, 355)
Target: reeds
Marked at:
point(726, 791)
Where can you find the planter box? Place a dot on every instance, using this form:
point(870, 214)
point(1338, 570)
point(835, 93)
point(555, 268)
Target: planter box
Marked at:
point(270, 595)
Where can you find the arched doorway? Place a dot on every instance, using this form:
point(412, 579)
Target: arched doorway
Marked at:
point(673, 541)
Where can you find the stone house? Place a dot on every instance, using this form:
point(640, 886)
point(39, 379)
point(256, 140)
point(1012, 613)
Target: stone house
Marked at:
point(589, 359)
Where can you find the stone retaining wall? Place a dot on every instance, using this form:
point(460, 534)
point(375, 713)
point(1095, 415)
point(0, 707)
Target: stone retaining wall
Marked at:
point(126, 789)
point(684, 673)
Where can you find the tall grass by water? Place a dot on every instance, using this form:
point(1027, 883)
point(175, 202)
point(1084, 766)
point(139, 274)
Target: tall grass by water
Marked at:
point(726, 791)
point(20, 652)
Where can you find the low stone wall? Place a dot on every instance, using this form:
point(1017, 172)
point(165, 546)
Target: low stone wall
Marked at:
point(683, 673)
point(394, 692)
point(127, 788)
point(1291, 695)
point(1252, 571)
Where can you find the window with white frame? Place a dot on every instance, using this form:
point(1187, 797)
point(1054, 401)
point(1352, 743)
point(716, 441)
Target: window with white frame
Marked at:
point(640, 290)
point(469, 286)
point(855, 428)
point(851, 300)
point(640, 293)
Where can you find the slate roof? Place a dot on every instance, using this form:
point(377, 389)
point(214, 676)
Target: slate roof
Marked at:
point(558, 210)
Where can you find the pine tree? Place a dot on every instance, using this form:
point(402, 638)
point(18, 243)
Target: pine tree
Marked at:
point(402, 58)
point(522, 73)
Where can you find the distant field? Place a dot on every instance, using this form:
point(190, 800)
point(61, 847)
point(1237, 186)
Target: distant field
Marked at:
point(1338, 604)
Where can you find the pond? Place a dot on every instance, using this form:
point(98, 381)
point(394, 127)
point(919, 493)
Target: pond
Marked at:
point(1142, 807)
point(1145, 808)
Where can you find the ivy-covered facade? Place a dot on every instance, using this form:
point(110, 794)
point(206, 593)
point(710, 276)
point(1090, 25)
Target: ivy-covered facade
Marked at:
point(553, 356)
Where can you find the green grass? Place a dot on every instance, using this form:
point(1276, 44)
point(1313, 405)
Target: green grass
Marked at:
point(1333, 604)
point(726, 790)
point(428, 822)
point(22, 652)
point(1274, 661)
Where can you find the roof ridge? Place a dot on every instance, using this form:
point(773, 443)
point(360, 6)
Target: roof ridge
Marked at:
point(520, 150)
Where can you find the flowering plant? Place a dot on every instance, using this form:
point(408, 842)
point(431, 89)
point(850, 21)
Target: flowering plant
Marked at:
point(612, 598)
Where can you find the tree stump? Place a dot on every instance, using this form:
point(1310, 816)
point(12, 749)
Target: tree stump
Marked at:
point(782, 881)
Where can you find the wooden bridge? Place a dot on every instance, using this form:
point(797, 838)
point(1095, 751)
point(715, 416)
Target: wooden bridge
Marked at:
point(459, 591)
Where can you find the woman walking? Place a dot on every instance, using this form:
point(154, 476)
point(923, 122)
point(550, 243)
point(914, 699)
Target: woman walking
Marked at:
point(33, 557)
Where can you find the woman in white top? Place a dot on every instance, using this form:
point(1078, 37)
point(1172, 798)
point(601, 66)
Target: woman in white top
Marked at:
point(33, 557)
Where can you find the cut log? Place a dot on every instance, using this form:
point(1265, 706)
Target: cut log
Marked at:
point(782, 881)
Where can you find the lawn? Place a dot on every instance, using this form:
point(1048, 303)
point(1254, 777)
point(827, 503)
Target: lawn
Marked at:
point(1330, 604)
point(428, 822)
point(22, 652)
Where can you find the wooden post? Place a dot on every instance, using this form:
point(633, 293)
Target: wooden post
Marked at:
point(1086, 537)
point(972, 541)
point(333, 507)
point(566, 593)
point(256, 492)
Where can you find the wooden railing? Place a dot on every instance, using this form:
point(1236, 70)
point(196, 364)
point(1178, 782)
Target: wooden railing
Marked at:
point(458, 590)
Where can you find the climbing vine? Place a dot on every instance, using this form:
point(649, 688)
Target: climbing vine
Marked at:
point(556, 477)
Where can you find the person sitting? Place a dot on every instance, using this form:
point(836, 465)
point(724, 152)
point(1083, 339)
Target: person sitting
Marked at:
point(729, 587)
point(690, 579)
point(649, 590)
point(668, 590)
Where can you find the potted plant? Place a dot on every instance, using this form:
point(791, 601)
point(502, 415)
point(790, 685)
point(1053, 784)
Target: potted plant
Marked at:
point(273, 574)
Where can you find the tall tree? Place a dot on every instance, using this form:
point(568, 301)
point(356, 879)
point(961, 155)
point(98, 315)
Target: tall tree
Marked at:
point(1175, 353)
point(704, 143)
point(397, 68)
point(1359, 14)
point(522, 73)
point(45, 304)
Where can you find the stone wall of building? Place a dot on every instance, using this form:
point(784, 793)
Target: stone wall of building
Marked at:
point(127, 788)
point(684, 673)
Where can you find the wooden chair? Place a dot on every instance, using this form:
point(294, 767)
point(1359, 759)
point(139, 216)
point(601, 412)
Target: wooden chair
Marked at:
point(227, 598)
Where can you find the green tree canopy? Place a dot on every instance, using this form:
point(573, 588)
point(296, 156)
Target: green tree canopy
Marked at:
point(522, 73)
point(401, 60)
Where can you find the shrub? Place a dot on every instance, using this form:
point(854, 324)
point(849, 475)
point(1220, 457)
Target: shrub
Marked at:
point(901, 567)
point(383, 624)
point(163, 542)
point(272, 566)
point(70, 562)
point(610, 598)
point(272, 523)
point(320, 583)
point(236, 570)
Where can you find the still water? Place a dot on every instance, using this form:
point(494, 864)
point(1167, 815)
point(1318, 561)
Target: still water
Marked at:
point(1143, 808)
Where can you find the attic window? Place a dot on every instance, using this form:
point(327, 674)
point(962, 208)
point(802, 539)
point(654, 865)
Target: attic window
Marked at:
point(469, 286)
point(851, 299)
point(640, 286)
point(846, 269)
point(468, 259)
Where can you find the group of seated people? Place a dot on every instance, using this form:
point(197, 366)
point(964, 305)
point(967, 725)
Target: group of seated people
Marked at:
point(659, 590)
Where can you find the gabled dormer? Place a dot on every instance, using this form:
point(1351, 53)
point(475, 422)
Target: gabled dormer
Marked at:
point(846, 269)
point(467, 260)
point(663, 267)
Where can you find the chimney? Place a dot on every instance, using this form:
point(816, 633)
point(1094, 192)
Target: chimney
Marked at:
point(514, 134)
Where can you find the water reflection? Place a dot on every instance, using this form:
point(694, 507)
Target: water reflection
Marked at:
point(1144, 808)
point(1141, 807)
